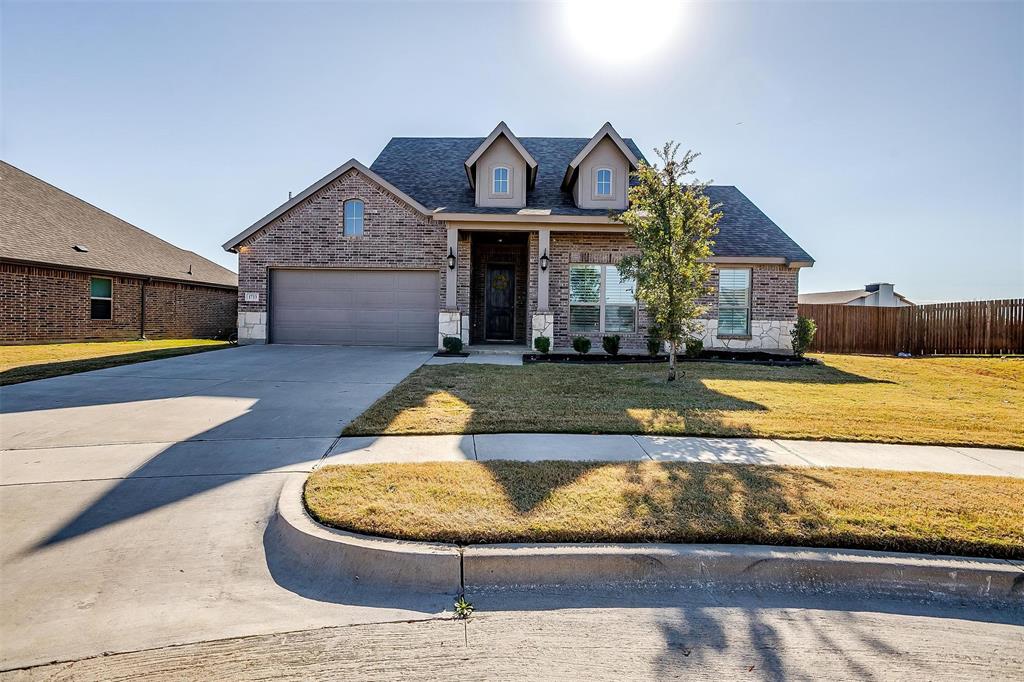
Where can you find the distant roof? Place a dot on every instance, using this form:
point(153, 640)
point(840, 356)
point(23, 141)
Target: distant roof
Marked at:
point(841, 297)
point(40, 223)
point(431, 171)
point(834, 296)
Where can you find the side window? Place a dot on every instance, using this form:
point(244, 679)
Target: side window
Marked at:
point(101, 298)
point(353, 221)
point(733, 302)
point(619, 302)
point(603, 182)
point(600, 300)
point(585, 298)
point(501, 180)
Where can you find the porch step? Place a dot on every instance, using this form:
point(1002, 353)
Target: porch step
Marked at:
point(497, 349)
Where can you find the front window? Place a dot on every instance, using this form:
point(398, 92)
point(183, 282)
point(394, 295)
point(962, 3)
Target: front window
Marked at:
point(353, 224)
point(501, 180)
point(101, 298)
point(734, 302)
point(604, 182)
point(600, 300)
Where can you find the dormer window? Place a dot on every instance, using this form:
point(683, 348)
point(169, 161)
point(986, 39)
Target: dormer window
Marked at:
point(603, 182)
point(500, 185)
point(353, 219)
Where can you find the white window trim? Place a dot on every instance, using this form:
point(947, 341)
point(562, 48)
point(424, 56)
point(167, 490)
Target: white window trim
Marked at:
point(344, 219)
point(101, 298)
point(602, 302)
point(749, 306)
point(611, 184)
point(494, 193)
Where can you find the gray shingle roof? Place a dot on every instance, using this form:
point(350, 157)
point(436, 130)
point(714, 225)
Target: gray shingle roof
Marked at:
point(40, 223)
point(430, 170)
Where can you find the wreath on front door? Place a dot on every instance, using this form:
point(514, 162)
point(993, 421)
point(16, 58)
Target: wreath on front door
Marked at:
point(500, 282)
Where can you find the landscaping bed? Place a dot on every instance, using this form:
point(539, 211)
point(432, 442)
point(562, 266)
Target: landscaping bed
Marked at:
point(40, 361)
point(951, 401)
point(741, 357)
point(504, 501)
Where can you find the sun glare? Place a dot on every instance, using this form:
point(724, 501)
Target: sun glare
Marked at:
point(600, 28)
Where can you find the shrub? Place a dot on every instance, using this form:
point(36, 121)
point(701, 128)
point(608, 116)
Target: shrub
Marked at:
point(542, 344)
point(611, 344)
point(653, 341)
point(694, 347)
point(581, 345)
point(452, 344)
point(803, 334)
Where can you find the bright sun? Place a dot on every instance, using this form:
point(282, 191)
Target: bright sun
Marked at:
point(600, 28)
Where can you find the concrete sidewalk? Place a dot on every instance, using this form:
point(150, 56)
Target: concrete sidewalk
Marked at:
point(541, 446)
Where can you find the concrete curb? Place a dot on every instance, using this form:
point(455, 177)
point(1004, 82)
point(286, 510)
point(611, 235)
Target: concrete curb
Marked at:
point(435, 566)
point(744, 566)
point(358, 558)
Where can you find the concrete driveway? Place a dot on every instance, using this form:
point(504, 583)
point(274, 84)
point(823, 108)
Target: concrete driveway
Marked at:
point(133, 500)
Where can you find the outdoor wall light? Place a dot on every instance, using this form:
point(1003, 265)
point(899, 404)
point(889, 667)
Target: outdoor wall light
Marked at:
point(544, 260)
point(451, 258)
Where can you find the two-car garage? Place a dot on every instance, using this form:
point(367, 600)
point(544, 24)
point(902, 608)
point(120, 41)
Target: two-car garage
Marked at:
point(354, 307)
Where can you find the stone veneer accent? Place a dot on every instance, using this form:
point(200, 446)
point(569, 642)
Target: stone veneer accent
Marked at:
point(310, 235)
point(41, 304)
point(541, 324)
point(764, 335)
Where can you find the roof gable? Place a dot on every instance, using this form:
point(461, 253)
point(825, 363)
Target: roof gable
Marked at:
point(606, 131)
point(351, 164)
point(501, 130)
point(40, 223)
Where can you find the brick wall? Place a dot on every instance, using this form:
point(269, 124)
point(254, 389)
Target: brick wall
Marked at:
point(41, 304)
point(311, 236)
point(585, 247)
point(773, 287)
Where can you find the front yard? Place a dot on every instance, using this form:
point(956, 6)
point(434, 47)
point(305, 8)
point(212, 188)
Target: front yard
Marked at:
point(501, 501)
point(965, 401)
point(26, 363)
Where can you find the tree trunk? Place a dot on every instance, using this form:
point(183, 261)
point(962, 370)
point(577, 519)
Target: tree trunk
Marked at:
point(672, 360)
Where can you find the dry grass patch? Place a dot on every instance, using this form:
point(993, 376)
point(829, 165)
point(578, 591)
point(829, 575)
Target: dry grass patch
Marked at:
point(956, 401)
point(489, 502)
point(27, 363)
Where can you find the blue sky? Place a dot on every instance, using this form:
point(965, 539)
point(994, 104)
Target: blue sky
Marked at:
point(887, 139)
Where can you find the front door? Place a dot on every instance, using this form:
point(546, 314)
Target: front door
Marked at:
point(500, 298)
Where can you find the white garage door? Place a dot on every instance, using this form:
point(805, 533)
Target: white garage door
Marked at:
point(354, 307)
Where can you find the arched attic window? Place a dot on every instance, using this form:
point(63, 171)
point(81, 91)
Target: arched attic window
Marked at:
point(352, 224)
point(500, 184)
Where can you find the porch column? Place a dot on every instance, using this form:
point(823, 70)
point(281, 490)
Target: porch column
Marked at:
point(543, 278)
point(449, 320)
point(452, 274)
point(543, 322)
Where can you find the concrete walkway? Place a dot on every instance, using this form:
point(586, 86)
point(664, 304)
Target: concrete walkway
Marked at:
point(541, 446)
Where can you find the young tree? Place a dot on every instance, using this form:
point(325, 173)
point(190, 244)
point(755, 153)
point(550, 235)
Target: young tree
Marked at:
point(672, 222)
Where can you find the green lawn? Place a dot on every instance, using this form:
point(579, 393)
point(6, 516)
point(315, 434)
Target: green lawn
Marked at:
point(27, 363)
point(501, 501)
point(966, 401)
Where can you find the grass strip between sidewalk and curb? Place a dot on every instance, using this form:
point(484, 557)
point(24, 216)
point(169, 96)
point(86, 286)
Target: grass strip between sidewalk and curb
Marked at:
point(942, 401)
point(504, 501)
point(42, 361)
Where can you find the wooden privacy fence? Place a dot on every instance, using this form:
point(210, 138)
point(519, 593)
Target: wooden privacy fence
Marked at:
point(967, 328)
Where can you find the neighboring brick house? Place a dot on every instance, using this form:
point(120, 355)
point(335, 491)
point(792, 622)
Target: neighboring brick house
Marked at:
point(72, 272)
point(496, 240)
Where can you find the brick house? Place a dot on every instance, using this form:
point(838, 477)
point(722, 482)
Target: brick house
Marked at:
point(72, 272)
point(496, 240)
